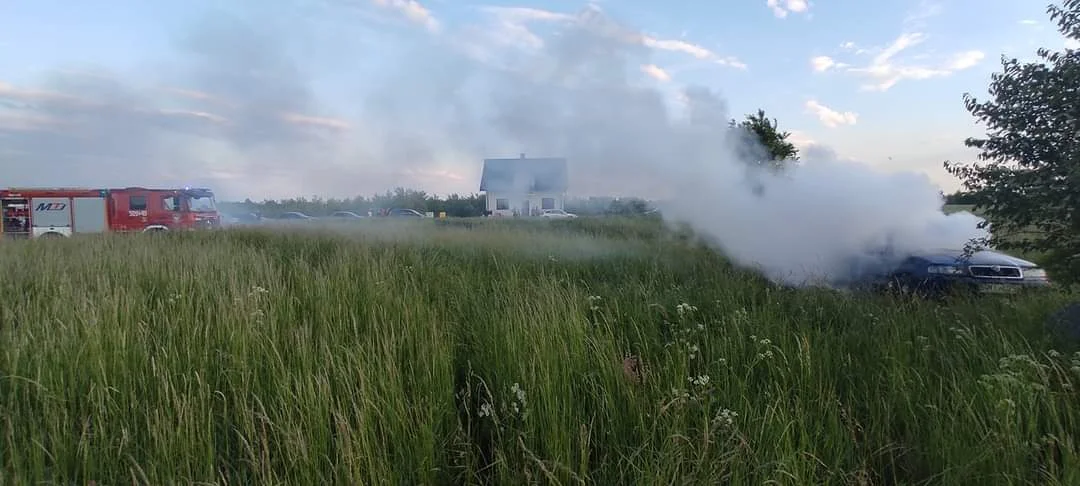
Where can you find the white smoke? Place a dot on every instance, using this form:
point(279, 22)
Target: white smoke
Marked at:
point(444, 102)
point(819, 222)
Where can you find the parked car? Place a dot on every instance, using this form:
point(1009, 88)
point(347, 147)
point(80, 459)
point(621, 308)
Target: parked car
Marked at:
point(404, 213)
point(345, 215)
point(940, 272)
point(556, 214)
point(240, 219)
point(294, 215)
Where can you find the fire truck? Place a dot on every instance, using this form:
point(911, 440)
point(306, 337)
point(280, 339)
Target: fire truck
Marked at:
point(62, 212)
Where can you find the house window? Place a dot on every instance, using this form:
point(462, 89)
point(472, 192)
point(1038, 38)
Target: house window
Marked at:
point(547, 203)
point(137, 203)
point(502, 203)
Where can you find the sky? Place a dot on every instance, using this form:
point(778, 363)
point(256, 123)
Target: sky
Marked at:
point(338, 98)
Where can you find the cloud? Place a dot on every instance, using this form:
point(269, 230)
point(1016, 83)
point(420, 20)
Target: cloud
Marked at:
point(781, 8)
point(884, 71)
point(316, 121)
point(853, 47)
point(693, 50)
point(965, 60)
point(824, 63)
point(917, 18)
point(1034, 25)
point(889, 66)
point(656, 72)
point(800, 139)
point(412, 10)
point(511, 28)
point(829, 117)
point(527, 14)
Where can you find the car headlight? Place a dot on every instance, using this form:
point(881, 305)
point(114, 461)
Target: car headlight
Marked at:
point(1035, 273)
point(944, 269)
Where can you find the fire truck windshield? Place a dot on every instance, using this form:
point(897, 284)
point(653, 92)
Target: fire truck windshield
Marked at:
point(202, 204)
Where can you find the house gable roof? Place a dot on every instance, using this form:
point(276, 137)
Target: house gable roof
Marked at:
point(547, 174)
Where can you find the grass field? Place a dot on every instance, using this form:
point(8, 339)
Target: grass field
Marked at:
point(420, 353)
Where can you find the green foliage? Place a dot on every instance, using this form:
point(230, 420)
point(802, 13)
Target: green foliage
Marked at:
point(454, 205)
point(1029, 186)
point(777, 149)
point(496, 352)
point(607, 206)
point(959, 198)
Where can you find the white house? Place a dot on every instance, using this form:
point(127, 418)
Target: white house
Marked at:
point(524, 186)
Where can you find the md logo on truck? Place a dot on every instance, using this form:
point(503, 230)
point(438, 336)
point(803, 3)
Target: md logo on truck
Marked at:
point(52, 206)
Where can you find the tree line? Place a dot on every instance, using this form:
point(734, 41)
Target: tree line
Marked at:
point(454, 205)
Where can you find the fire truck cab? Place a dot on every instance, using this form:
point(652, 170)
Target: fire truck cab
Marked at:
point(58, 212)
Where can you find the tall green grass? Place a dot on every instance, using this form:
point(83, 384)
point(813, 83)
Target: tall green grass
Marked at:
point(420, 353)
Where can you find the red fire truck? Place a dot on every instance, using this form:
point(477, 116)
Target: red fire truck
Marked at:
point(57, 212)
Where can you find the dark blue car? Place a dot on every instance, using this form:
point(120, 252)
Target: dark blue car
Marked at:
point(944, 271)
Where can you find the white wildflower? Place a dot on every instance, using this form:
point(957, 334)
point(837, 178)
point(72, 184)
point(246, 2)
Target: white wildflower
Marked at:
point(725, 417)
point(684, 308)
point(519, 393)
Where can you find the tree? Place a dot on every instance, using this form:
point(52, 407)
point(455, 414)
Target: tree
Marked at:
point(958, 197)
point(777, 149)
point(1029, 186)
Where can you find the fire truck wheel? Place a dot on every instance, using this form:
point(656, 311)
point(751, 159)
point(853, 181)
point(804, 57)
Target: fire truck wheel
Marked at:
point(51, 235)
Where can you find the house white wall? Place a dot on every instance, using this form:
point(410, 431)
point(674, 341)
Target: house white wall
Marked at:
point(517, 202)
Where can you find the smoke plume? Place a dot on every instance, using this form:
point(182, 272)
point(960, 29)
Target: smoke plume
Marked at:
point(241, 112)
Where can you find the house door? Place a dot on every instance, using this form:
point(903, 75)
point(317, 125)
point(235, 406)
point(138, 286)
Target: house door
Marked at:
point(525, 210)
